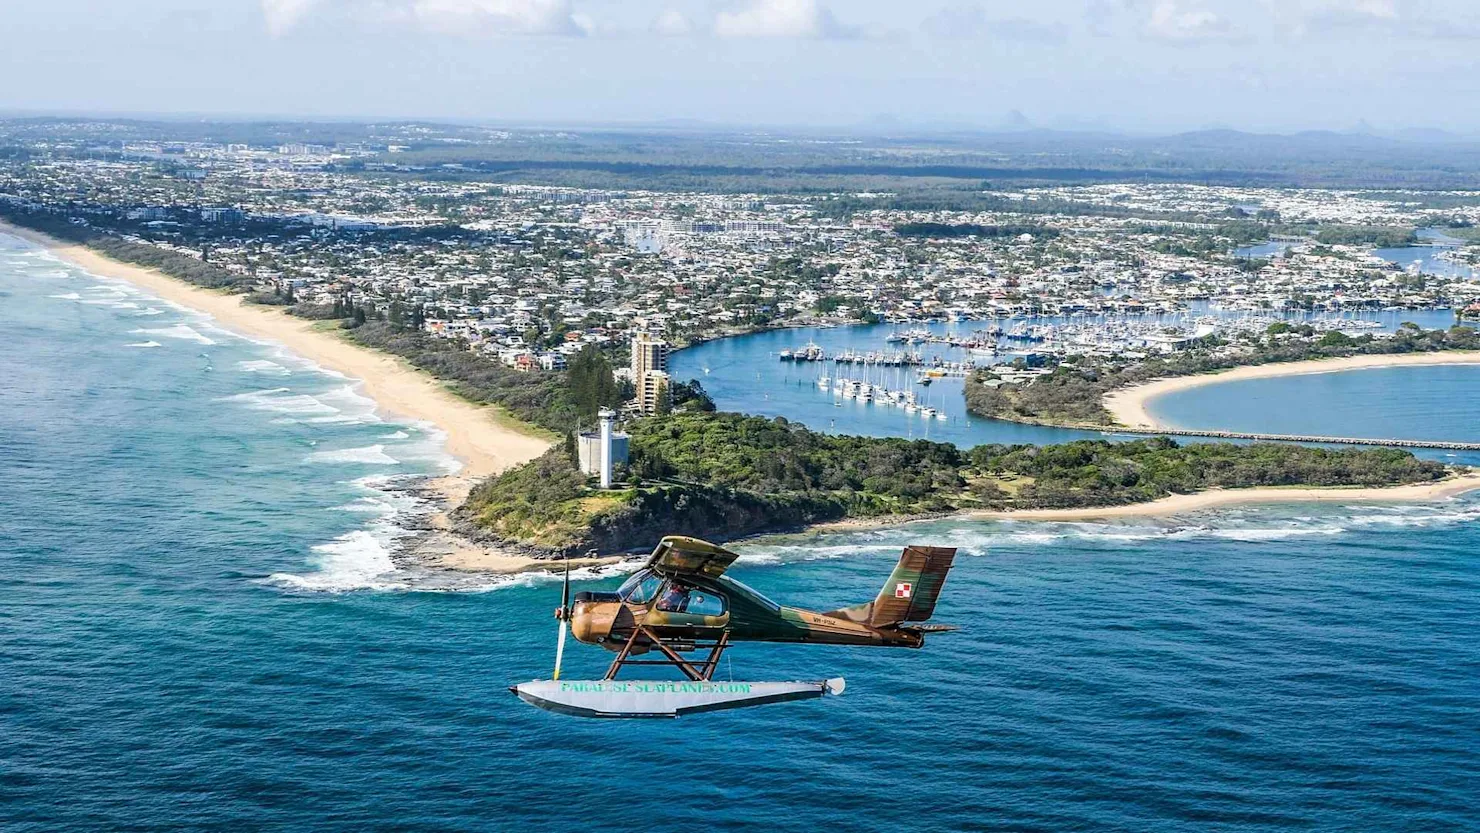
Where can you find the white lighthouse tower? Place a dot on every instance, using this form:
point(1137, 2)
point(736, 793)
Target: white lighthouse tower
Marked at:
point(607, 417)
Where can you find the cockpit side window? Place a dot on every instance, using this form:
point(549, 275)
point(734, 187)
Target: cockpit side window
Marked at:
point(678, 597)
point(640, 588)
point(753, 597)
point(706, 603)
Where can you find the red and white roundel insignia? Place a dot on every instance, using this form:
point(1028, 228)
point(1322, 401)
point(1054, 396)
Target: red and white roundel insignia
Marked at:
point(902, 590)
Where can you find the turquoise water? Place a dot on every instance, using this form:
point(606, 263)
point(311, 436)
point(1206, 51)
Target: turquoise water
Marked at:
point(746, 374)
point(201, 628)
point(1419, 403)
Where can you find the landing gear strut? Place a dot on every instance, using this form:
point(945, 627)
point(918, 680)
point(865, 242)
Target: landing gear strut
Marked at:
point(696, 671)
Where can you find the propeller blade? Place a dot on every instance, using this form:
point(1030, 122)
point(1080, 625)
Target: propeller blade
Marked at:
point(564, 621)
point(565, 592)
point(559, 650)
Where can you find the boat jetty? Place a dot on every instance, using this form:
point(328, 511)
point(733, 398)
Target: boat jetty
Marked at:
point(880, 358)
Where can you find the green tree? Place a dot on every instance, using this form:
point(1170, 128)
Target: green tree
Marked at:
point(664, 405)
point(591, 383)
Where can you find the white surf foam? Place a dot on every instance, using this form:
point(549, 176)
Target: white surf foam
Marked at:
point(1416, 516)
point(428, 446)
point(368, 505)
point(353, 561)
point(144, 344)
point(1240, 534)
point(180, 331)
point(363, 560)
point(262, 366)
point(67, 296)
point(372, 455)
point(394, 435)
point(281, 400)
point(343, 419)
point(346, 398)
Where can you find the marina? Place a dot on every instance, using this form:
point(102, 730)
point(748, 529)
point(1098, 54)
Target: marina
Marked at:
point(744, 374)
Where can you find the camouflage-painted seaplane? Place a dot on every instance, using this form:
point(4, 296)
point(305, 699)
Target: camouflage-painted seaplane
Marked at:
point(681, 602)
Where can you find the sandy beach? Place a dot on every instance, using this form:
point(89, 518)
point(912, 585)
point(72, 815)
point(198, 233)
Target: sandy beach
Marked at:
point(484, 444)
point(1215, 498)
point(1129, 405)
point(1182, 504)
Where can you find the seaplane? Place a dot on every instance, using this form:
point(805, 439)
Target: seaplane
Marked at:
point(681, 602)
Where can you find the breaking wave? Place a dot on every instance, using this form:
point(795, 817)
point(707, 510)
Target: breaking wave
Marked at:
point(352, 561)
point(365, 559)
point(283, 401)
point(979, 537)
point(262, 366)
point(144, 344)
point(180, 331)
point(369, 455)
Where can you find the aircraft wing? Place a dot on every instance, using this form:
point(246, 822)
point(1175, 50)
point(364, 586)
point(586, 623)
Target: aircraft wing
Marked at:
point(677, 555)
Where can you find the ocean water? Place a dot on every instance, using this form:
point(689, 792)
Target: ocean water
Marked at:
point(201, 628)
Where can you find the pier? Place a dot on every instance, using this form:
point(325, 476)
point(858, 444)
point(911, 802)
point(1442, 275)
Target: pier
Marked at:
point(1296, 438)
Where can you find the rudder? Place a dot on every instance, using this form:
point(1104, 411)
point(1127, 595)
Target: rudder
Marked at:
point(913, 588)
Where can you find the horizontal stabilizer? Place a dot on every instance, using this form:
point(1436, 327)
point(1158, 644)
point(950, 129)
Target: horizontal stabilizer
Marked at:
point(911, 591)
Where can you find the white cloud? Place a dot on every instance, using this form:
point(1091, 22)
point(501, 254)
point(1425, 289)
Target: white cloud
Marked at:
point(1385, 19)
point(672, 23)
point(1321, 13)
point(459, 17)
point(522, 17)
point(964, 22)
point(1346, 13)
point(1381, 9)
point(1171, 20)
point(282, 15)
point(781, 19)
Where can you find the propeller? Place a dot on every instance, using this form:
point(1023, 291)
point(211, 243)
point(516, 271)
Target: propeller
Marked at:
point(563, 614)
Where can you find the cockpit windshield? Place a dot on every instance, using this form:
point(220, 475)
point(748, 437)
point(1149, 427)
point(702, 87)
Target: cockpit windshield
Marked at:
point(640, 587)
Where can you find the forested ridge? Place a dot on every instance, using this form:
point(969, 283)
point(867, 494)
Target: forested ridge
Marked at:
point(724, 475)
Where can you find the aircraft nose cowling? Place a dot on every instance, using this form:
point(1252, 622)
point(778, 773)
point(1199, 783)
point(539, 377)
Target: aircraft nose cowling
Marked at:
point(591, 622)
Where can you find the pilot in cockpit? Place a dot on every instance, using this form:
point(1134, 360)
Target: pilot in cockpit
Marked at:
point(674, 599)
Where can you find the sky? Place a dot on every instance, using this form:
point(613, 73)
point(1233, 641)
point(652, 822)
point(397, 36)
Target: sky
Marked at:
point(1128, 65)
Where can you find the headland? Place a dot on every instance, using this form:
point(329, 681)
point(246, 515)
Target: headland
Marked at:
point(489, 445)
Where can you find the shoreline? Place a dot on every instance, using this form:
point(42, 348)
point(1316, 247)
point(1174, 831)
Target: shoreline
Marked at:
point(472, 434)
point(485, 446)
point(1129, 406)
point(1449, 487)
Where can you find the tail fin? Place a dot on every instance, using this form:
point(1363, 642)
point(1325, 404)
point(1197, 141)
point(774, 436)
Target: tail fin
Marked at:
point(911, 591)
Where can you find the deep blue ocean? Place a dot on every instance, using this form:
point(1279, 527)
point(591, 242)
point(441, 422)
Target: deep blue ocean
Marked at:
point(201, 627)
